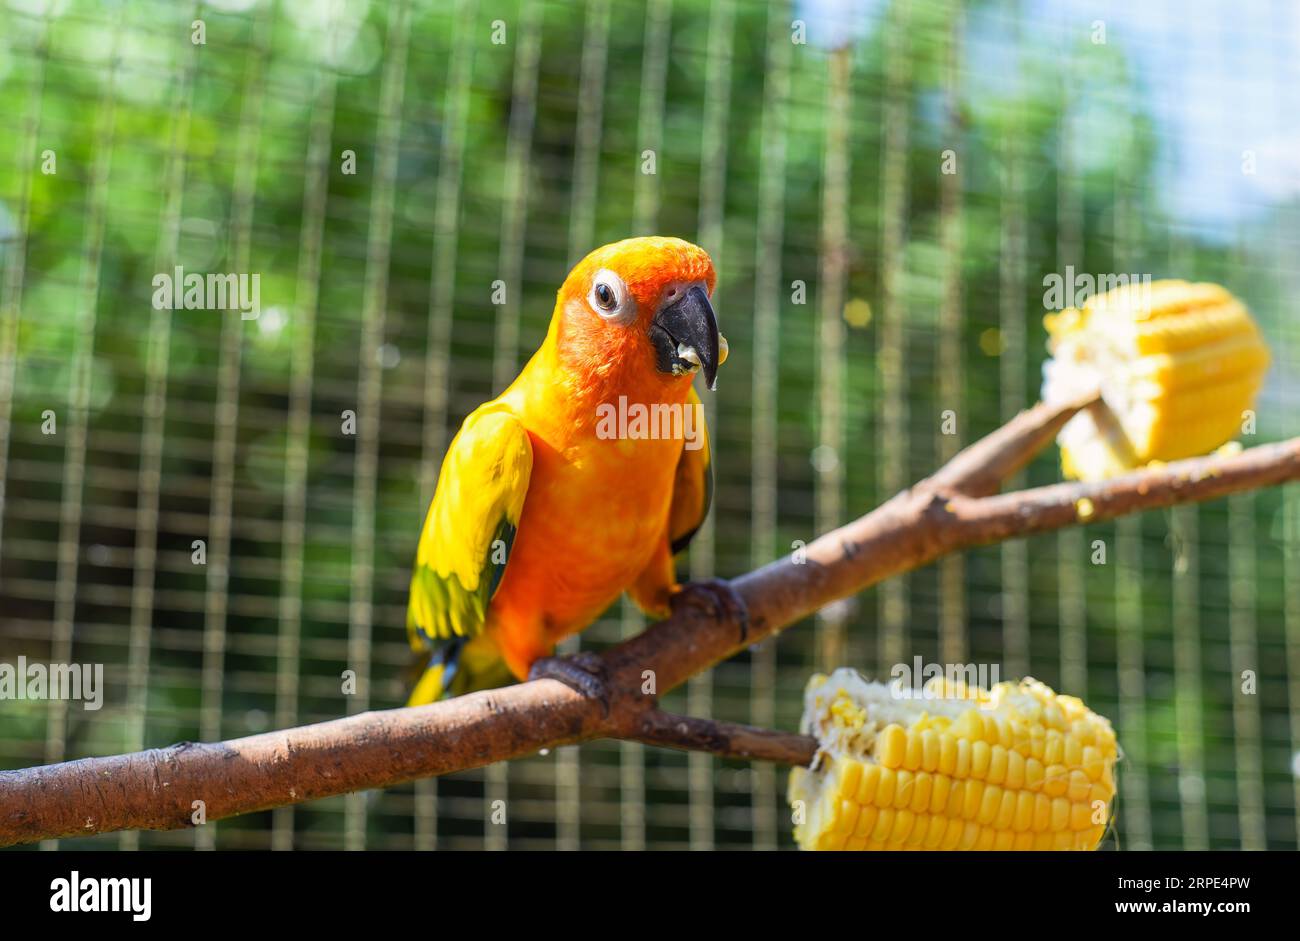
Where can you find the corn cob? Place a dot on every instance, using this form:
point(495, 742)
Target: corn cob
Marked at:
point(957, 768)
point(1177, 363)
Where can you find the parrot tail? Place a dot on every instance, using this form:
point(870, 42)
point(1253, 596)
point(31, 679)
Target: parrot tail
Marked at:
point(458, 666)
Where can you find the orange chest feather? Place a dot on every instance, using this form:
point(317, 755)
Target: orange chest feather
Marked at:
point(598, 498)
point(601, 498)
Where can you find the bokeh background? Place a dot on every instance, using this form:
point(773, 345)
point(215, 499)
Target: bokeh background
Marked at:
point(1156, 138)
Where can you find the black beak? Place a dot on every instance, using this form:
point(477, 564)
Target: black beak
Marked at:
point(685, 336)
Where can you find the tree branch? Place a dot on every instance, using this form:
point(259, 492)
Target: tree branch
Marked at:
point(948, 512)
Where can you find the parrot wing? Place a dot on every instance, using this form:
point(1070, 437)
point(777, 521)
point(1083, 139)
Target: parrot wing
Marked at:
point(693, 485)
point(471, 525)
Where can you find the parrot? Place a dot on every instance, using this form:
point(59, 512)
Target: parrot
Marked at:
point(546, 509)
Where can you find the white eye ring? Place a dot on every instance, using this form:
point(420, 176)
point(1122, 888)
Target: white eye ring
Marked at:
point(610, 298)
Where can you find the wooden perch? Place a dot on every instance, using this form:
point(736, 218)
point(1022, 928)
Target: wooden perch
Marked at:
point(952, 510)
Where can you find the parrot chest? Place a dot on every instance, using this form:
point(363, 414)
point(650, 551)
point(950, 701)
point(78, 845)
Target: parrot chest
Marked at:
point(594, 516)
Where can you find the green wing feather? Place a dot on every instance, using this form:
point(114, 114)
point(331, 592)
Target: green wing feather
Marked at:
point(692, 487)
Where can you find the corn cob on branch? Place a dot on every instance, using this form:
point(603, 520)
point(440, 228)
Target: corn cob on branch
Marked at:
point(951, 766)
point(948, 512)
point(1178, 364)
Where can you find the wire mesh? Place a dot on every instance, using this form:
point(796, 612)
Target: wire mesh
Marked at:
point(223, 511)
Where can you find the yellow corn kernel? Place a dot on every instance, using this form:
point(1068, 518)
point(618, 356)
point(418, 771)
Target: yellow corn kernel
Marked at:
point(1055, 780)
point(1006, 811)
point(1080, 817)
point(1079, 786)
point(1034, 774)
point(1093, 763)
point(947, 754)
point(850, 775)
point(1037, 741)
point(866, 822)
point(990, 802)
point(1054, 750)
point(1015, 776)
point(962, 768)
point(846, 817)
point(831, 840)
point(1053, 718)
point(869, 783)
point(1042, 812)
point(939, 792)
point(884, 825)
point(934, 834)
point(922, 785)
point(992, 730)
point(912, 757)
point(952, 835)
point(1073, 756)
point(903, 821)
point(1024, 818)
point(891, 749)
point(956, 799)
point(929, 750)
point(903, 786)
point(1019, 739)
point(917, 834)
point(997, 765)
point(1060, 814)
point(885, 790)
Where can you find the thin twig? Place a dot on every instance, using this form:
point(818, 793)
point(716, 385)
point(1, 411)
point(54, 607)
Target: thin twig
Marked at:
point(724, 738)
point(981, 468)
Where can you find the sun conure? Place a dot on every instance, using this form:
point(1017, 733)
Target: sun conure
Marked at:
point(560, 494)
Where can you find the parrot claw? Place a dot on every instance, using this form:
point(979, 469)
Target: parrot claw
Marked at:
point(716, 598)
point(583, 672)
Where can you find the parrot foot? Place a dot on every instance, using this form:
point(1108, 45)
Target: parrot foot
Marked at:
point(716, 598)
point(583, 671)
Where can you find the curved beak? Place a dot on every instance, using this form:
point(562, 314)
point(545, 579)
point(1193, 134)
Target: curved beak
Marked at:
point(685, 336)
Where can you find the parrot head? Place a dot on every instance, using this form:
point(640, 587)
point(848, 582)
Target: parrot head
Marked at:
point(640, 308)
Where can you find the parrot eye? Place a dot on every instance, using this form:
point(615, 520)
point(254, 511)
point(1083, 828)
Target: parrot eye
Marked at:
point(609, 296)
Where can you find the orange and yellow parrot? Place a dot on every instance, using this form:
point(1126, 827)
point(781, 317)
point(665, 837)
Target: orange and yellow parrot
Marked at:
point(546, 510)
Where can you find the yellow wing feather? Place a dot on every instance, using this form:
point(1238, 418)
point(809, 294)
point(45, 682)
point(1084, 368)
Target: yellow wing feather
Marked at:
point(471, 524)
